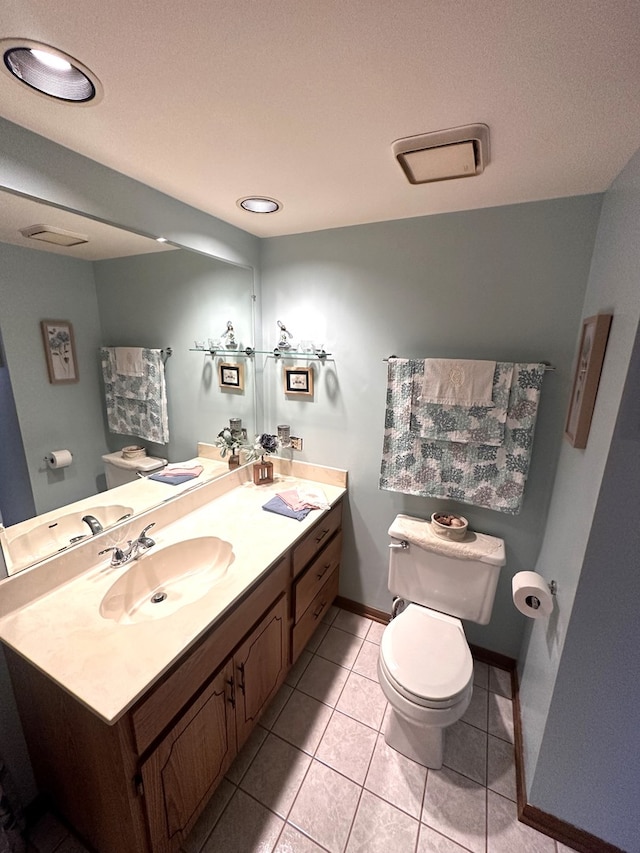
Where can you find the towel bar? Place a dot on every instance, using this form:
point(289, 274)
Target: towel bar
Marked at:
point(547, 366)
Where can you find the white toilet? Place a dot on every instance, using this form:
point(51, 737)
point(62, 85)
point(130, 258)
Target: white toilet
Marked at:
point(424, 665)
point(120, 470)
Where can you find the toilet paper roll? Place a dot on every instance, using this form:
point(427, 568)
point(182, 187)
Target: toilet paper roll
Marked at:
point(59, 459)
point(531, 594)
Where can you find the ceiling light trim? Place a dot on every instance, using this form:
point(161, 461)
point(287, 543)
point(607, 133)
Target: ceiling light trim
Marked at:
point(259, 204)
point(78, 85)
point(452, 157)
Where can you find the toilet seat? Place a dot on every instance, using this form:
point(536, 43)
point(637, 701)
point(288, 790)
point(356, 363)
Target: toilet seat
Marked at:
point(426, 658)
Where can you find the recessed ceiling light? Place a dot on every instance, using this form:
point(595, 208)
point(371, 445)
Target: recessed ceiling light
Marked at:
point(256, 204)
point(50, 71)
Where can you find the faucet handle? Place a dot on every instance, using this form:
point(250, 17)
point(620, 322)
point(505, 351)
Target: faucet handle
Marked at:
point(117, 557)
point(146, 530)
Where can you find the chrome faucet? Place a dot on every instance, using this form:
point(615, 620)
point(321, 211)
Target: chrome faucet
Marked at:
point(135, 549)
point(93, 523)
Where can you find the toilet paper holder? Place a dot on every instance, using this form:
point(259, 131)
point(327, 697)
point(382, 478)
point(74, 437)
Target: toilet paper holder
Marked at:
point(534, 602)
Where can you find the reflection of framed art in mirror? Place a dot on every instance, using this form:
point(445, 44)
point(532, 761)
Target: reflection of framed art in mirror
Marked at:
point(231, 376)
point(60, 350)
point(298, 380)
point(593, 343)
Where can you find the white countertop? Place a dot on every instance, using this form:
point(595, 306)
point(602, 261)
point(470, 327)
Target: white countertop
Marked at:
point(108, 665)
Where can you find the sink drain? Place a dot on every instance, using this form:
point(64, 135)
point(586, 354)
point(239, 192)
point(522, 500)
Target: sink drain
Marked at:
point(157, 597)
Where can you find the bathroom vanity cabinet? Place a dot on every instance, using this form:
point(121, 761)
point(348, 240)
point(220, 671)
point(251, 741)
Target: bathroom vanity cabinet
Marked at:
point(139, 785)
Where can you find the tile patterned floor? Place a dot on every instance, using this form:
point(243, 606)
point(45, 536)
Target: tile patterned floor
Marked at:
point(317, 777)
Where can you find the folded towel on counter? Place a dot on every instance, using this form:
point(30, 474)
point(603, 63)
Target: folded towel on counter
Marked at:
point(277, 505)
point(458, 382)
point(304, 498)
point(176, 474)
point(129, 361)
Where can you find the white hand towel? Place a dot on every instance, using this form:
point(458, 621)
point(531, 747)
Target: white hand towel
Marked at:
point(458, 382)
point(129, 361)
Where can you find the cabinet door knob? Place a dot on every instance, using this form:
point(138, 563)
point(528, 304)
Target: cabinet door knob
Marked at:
point(241, 682)
point(232, 692)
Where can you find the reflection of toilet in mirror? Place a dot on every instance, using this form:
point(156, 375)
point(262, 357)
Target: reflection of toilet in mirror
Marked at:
point(425, 665)
point(120, 469)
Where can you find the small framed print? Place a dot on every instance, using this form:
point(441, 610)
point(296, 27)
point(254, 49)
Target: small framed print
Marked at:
point(60, 351)
point(593, 343)
point(298, 380)
point(231, 375)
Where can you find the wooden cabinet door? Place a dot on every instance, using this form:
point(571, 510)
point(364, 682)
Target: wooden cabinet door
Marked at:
point(261, 664)
point(187, 765)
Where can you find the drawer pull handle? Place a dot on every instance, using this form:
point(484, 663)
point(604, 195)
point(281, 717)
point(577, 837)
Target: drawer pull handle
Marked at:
point(324, 571)
point(232, 692)
point(321, 607)
point(241, 682)
point(323, 533)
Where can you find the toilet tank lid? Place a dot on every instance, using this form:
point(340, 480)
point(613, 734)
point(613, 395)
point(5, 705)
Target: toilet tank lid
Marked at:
point(475, 546)
point(142, 463)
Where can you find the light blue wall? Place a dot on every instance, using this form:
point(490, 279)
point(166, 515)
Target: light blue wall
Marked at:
point(503, 283)
point(35, 286)
point(172, 299)
point(577, 697)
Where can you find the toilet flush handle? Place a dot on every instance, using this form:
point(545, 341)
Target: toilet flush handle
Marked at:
point(402, 545)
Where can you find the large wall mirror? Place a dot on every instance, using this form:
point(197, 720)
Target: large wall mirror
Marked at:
point(117, 289)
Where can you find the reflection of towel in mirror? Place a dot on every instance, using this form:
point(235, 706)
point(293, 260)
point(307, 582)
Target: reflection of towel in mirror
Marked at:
point(136, 405)
point(176, 474)
point(129, 361)
point(277, 505)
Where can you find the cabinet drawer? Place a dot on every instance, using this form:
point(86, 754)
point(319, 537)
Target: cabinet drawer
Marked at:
point(311, 581)
point(316, 538)
point(313, 615)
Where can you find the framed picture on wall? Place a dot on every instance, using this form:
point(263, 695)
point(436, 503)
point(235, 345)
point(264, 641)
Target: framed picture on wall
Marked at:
point(298, 380)
point(231, 375)
point(60, 351)
point(593, 343)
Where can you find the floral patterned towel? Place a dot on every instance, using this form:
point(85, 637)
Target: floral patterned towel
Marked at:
point(136, 405)
point(469, 424)
point(484, 475)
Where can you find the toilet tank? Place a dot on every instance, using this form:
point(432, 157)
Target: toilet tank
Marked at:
point(458, 578)
point(119, 470)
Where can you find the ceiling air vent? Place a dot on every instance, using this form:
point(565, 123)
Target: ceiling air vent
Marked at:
point(57, 236)
point(457, 153)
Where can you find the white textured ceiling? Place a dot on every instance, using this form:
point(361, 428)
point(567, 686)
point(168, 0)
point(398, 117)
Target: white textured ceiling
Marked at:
point(212, 100)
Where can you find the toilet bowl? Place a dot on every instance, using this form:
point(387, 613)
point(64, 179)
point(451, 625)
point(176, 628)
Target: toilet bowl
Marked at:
point(425, 671)
point(425, 666)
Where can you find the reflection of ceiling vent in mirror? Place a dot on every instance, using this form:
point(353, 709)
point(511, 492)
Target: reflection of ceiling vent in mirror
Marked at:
point(57, 236)
point(457, 153)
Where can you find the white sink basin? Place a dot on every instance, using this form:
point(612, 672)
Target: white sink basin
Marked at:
point(56, 534)
point(164, 580)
